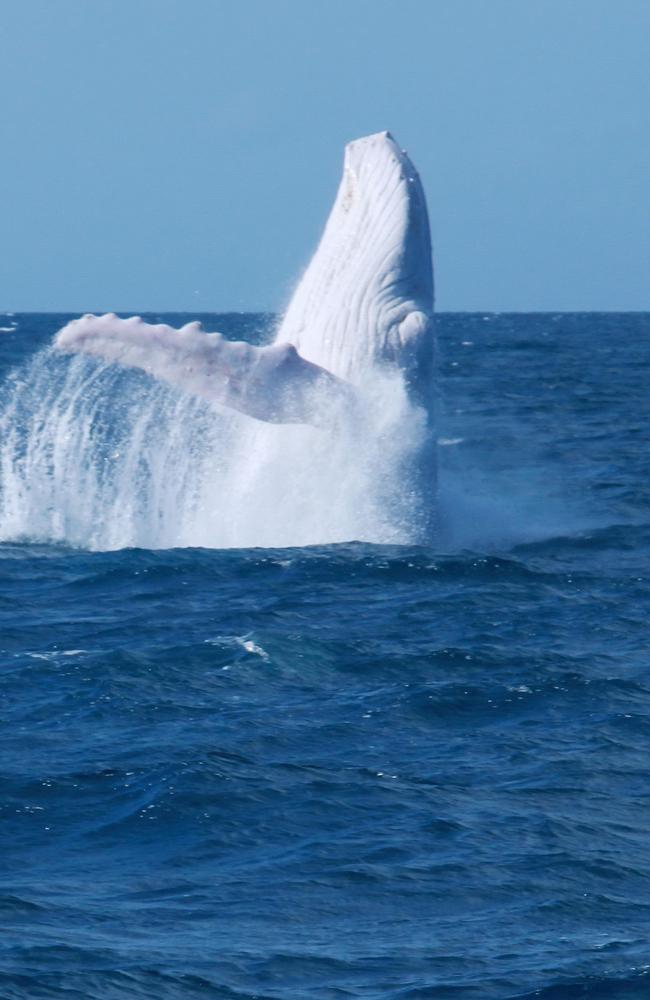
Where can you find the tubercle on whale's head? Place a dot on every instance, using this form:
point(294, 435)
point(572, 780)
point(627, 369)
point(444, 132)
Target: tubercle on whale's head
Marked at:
point(374, 148)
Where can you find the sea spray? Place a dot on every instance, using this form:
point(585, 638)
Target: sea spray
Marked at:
point(105, 458)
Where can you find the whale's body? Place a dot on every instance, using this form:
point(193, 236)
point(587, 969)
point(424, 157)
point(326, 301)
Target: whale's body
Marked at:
point(365, 302)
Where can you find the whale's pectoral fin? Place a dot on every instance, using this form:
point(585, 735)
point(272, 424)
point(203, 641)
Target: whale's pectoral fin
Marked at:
point(271, 383)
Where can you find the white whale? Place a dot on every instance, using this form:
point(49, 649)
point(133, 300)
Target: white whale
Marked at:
point(365, 303)
point(325, 435)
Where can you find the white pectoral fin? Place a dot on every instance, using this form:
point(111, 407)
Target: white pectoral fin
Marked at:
point(271, 383)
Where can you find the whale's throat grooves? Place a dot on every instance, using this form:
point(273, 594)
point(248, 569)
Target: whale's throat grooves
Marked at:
point(366, 297)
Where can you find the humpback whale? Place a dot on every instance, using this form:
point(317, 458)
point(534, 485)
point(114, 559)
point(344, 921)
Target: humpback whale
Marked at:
point(364, 303)
point(324, 434)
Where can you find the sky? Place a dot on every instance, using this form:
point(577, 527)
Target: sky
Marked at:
point(183, 154)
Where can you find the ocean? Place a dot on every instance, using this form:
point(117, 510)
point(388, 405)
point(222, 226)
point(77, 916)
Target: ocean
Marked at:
point(258, 743)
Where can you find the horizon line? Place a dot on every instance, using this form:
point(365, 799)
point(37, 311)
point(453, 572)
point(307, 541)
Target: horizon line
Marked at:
point(272, 312)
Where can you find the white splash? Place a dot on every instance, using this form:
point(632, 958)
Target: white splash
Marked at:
point(104, 457)
point(101, 458)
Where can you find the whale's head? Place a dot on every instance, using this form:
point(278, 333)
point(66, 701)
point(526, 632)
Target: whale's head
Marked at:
point(366, 298)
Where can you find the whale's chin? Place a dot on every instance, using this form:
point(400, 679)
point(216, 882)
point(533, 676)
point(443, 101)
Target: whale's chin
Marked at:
point(365, 303)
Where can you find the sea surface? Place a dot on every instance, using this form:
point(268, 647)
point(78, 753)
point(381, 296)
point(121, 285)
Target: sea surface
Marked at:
point(349, 770)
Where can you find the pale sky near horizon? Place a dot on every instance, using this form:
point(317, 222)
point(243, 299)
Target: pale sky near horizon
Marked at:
point(183, 154)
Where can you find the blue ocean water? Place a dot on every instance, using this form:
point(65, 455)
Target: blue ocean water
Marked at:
point(352, 770)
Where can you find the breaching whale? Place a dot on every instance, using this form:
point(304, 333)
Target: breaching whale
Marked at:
point(323, 436)
point(364, 303)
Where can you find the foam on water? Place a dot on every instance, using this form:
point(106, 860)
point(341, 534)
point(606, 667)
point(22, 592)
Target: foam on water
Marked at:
point(103, 458)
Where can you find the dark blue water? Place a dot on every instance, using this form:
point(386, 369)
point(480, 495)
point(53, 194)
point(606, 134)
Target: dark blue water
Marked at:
point(355, 770)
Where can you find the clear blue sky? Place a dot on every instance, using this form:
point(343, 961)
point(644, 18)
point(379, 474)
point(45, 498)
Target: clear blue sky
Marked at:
point(183, 154)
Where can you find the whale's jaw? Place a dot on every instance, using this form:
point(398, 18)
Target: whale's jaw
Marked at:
point(366, 298)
